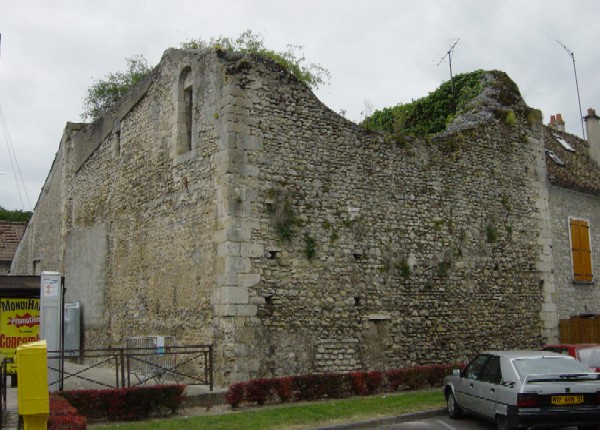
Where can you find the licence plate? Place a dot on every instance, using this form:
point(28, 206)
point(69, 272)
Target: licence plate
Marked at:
point(566, 400)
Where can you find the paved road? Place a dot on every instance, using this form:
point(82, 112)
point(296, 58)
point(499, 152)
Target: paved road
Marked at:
point(443, 422)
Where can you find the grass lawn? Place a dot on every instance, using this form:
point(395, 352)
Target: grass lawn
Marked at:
point(300, 415)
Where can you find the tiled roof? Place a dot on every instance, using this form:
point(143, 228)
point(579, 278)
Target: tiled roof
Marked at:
point(10, 236)
point(578, 171)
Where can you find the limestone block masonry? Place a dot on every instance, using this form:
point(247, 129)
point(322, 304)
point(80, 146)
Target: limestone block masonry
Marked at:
point(221, 202)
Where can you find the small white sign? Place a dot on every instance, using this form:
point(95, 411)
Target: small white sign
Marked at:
point(50, 286)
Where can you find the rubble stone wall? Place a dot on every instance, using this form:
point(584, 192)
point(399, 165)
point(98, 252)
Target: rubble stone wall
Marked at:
point(290, 238)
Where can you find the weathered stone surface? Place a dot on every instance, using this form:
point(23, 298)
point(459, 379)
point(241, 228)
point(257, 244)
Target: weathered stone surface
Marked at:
point(285, 228)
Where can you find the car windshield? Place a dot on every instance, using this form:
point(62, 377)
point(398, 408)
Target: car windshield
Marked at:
point(548, 366)
point(589, 356)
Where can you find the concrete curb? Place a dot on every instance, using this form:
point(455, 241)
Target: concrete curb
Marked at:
point(387, 420)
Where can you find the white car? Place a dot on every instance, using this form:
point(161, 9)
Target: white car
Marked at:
point(526, 389)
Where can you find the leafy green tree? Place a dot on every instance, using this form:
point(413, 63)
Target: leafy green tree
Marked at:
point(16, 215)
point(105, 92)
point(293, 60)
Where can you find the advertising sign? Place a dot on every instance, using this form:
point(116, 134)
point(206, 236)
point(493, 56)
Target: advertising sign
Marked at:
point(19, 323)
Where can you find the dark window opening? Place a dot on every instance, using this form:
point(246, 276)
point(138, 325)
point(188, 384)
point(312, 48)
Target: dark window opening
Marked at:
point(272, 255)
point(188, 102)
point(117, 142)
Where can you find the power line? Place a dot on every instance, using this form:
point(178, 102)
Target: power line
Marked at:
point(576, 84)
point(14, 163)
point(13, 157)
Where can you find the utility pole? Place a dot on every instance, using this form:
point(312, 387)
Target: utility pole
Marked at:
point(449, 55)
point(576, 85)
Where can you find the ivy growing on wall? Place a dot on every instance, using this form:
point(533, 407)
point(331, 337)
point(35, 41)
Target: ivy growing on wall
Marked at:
point(309, 246)
point(282, 214)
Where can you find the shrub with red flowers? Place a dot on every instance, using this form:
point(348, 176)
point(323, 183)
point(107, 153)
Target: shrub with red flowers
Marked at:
point(63, 416)
point(284, 388)
point(235, 394)
point(374, 382)
point(419, 376)
point(126, 403)
point(259, 390)
point(335, 385)
point(359, 385)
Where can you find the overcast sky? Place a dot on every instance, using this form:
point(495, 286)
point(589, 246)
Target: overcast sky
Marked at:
point(379, 53)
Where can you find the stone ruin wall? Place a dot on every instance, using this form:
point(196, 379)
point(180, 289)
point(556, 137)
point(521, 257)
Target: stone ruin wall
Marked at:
point(161, 214)
point(41, 243)
point(155, 212)
point(403, 272)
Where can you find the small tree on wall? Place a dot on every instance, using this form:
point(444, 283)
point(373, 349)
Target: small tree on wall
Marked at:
point(105, 92)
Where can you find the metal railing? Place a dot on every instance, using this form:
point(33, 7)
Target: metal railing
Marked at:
point(128, 367)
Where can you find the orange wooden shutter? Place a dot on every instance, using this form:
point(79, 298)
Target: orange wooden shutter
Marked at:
point(580, 250)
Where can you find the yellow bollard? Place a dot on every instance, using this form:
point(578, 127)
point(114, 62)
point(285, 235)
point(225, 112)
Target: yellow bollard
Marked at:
point(32, 393)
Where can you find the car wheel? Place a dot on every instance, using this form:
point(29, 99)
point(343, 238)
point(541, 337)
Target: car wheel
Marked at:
point(502, 423)
point(454, 411)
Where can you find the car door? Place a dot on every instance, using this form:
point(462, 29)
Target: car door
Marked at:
point(487, 385)
point(467, 391)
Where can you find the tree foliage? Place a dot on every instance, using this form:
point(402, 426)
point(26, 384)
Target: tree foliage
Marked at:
point(105, 92)
point(248, 42)
point(16, 215)
point(431, 114)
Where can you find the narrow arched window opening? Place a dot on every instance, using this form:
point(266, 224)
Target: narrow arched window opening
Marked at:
point(185, 113)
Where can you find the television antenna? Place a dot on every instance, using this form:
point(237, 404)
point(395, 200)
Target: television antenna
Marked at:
point(572, 55)
point(449, 55)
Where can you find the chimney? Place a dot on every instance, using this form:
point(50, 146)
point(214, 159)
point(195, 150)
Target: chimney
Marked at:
point(556, 122)
point(560, 124)
point(592, 128)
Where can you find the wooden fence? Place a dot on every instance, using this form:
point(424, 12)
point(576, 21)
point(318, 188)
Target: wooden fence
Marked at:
point(580, 329)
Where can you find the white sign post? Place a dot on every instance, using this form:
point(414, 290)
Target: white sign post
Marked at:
point(51, 295)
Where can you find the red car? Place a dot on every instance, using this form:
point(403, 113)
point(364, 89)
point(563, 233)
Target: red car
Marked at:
point(587, 353)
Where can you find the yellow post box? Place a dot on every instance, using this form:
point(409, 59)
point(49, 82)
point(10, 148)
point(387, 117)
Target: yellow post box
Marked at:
point(32, 393)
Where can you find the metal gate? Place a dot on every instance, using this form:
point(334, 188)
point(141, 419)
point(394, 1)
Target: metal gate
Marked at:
point(151, 358)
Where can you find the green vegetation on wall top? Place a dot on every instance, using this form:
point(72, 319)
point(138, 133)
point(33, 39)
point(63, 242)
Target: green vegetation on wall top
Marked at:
point(248, 42)
point(104, 93)
point(431, 114)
